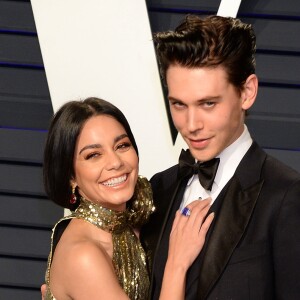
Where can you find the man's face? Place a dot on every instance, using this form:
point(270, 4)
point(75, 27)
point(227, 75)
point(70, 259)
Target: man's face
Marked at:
point(206, 109)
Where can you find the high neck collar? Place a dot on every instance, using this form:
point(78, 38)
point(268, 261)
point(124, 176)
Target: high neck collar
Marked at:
point(107, 219)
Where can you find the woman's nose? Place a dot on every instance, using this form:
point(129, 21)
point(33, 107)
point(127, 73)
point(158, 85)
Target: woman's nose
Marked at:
point(113, 161)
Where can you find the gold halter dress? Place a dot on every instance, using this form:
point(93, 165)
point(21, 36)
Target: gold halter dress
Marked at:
point(129, 258)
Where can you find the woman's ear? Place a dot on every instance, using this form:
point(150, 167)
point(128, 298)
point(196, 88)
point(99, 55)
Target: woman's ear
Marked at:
point(249, 92)
point(73, 183)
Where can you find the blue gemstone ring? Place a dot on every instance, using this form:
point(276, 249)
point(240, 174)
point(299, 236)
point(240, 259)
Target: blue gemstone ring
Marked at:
point(186, 211)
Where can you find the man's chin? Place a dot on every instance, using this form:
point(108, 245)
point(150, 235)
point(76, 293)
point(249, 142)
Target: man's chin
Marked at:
point(201, 155)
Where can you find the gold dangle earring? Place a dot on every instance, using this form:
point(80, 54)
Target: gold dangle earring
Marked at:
point(73, 198)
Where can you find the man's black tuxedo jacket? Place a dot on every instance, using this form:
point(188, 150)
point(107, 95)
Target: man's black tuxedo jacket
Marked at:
point(252, 250)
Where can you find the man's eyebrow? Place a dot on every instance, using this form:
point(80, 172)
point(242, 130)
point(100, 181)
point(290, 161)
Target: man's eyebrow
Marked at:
point(172, 98)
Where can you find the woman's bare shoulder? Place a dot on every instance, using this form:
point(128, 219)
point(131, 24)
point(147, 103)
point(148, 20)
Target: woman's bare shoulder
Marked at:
point(82, 263)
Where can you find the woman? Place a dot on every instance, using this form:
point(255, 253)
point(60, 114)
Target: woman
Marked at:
point(91, 168)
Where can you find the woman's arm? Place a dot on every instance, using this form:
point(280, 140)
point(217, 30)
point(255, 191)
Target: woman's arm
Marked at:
point(186, 241)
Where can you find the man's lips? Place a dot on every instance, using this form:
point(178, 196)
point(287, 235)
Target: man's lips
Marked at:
point(199, 143)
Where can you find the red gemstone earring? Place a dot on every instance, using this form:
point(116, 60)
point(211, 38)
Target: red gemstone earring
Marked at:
point(73, 198)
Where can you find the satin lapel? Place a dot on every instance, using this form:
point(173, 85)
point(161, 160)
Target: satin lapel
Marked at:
point(164, 219)
point(236, 210)
point(168, 210)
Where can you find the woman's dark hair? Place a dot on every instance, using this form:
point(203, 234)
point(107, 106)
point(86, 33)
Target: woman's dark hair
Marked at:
point(210, 42)
point(64, 130)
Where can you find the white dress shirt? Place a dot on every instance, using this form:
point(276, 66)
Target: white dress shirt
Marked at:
point(229, 161)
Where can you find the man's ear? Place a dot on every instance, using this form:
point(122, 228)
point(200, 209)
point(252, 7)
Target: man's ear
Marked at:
point(249, 92)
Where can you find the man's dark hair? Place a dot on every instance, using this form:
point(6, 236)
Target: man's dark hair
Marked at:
point(210, 42)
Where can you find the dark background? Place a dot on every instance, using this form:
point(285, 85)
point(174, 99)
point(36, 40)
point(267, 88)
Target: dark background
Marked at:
point(26, 215)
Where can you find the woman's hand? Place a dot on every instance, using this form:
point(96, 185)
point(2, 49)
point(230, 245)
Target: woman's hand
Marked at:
point(43, 291)
point(186, 241)
point(188, 234)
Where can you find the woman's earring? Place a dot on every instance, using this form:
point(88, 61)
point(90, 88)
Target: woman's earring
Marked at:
point(73, 198)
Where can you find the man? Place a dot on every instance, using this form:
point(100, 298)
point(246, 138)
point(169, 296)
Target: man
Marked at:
point(252, 250)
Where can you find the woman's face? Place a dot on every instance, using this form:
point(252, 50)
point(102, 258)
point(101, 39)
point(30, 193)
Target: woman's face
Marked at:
point(105, 163)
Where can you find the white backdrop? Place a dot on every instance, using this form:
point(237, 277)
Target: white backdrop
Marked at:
point(104, 48)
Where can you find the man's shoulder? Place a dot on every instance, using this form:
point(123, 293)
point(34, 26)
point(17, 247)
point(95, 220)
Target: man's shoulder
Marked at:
point(164, 178)
point(258, 165)
point(271, 168)
point(258, 159)
point(172, 171)
point(275, 167)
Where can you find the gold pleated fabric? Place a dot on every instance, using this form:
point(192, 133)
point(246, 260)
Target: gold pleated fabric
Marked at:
point(129, 258)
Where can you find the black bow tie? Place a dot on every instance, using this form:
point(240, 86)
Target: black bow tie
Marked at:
point(206, 170)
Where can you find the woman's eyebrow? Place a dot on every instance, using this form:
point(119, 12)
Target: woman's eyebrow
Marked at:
point(96, 146)
point(93, 146)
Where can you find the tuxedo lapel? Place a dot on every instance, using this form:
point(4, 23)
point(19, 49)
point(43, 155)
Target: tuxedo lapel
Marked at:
point(168, 210)
point(236, 210)
point(166, 220)
point(232, 219)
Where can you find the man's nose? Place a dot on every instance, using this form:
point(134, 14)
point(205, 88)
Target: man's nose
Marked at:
point(194, 120)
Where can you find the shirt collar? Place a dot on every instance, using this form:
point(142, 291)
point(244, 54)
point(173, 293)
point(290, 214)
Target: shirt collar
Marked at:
point(231, 156)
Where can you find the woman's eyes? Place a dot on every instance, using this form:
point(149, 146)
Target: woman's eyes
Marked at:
point(92, 155)
point(120, 147)
point(124, 146)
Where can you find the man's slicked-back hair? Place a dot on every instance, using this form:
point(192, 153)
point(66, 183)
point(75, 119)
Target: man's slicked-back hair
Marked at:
point(210, 42)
